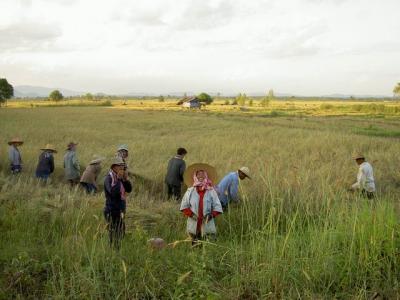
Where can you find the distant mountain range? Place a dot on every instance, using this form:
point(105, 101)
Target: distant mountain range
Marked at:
point(28, 91)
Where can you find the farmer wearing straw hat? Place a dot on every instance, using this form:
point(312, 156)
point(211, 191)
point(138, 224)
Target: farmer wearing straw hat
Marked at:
point(228, 187)
point(365, 177)
point(14, 155)
point(200, 204)
point(123, 153)
point(116, 185)
point(174, 178)
point(46, 162)
point(90, 175)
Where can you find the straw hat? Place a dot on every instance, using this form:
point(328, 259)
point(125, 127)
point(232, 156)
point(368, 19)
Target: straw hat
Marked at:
point(96, 160)
point(71, 144)
point(123, 147)
point(117, 161)
point(188, 175)
point(49, 147)
point(245, 171)
point(15, 140)
point(359, 156)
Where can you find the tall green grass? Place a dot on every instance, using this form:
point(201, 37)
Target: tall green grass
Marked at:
point(297, 233)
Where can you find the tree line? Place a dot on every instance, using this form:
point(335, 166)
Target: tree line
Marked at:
point(7, 92)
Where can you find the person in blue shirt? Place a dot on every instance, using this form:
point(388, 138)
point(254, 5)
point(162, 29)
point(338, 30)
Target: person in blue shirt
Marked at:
point(228, 187)
point(14, 155)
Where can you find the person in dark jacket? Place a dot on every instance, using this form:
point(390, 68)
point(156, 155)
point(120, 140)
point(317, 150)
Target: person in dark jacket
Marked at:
point(116, 185)
point(46, 162)
point(174, 177)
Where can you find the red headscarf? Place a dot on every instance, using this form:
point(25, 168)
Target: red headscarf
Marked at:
point(206, 184)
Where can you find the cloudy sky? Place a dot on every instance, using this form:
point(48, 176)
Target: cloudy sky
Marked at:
point(306, 47)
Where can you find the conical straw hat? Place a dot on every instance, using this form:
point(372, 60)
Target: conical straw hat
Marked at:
point(16, 140)
point(49, 147)
point(188, 175)
point(359, 155)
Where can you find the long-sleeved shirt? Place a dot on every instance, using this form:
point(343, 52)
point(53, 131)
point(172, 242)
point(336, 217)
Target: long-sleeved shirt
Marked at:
point(14, 156)
point(71, 165)
point(189, 213)
point(91, 173)
point(201, 206)
point(228, 188)
point(365, 178)
point(176, 168)
point(46, 163)
point(114, 201)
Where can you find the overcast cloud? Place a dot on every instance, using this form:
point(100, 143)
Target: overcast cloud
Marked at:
point(309, 47)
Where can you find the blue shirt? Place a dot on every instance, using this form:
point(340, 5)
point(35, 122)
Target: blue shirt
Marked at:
point(228, 188)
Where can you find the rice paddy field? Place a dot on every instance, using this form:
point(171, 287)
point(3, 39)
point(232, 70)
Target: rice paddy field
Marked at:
point(297, 232)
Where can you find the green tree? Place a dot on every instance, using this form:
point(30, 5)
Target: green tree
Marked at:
point(205, 98)
point(396, 90)
point(265, 101)
point(56, 96)
point(238, 98)
point(89, 96)
point(6, 90)
point(161, 98)
point(241, 99)
point(271, 95)
point(251, 102)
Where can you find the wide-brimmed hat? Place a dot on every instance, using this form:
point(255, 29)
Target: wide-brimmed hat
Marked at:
point(188, 175)
point(123, 147)
point(96, 159)
point(245, 171)
point(118, 161)
point(358, 156)
point(49, 147)
point(16, 140)
point(71, 144)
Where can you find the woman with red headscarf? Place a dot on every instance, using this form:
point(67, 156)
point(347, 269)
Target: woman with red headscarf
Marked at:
point(200, 204)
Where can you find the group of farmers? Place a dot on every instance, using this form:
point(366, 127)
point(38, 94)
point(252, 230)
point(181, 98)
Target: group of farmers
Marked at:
point(203, 200)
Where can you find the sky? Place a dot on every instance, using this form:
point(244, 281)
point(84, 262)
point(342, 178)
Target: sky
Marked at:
point(302, 47)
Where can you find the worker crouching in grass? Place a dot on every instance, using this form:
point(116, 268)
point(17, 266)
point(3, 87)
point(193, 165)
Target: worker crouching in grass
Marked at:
point(90, 175)
point(365, 178)
point(116, 186)
point(200, 204)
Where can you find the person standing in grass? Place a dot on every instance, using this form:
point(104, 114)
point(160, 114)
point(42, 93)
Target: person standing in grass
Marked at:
point(174, 178)
point(45, 165)
point(116, 186)
point(14, 155)
point(71, 164)
point(200, 204)
point(89, 177)
point(123, 153)
point(228, 187)
point(365, 178)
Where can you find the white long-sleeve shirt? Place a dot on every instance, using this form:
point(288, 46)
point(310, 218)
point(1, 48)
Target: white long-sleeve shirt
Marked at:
point(14, 156)
point(365, 178)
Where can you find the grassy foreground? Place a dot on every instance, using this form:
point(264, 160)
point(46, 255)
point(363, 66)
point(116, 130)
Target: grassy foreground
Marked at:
point(297, 232)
